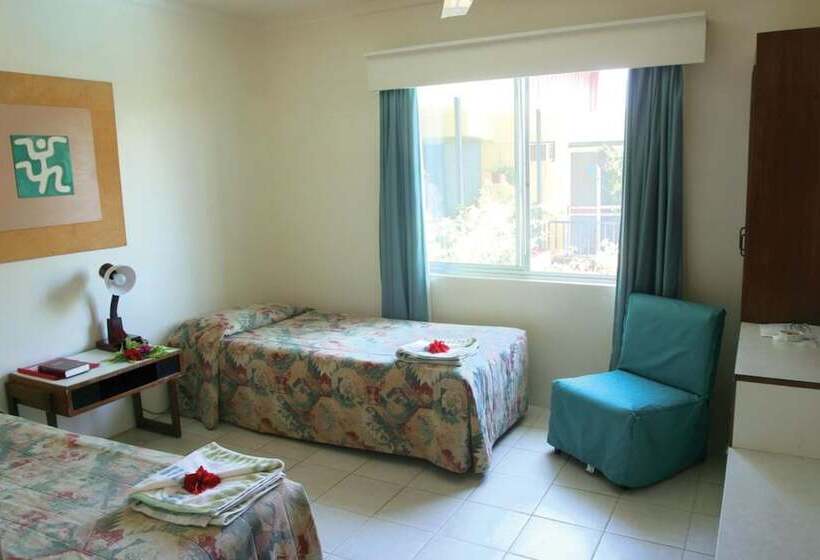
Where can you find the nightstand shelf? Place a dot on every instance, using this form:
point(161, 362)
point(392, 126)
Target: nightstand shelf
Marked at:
point(104, 384)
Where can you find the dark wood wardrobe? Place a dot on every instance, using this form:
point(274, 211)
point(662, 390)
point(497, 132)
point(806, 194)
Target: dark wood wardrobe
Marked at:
point(781, 239)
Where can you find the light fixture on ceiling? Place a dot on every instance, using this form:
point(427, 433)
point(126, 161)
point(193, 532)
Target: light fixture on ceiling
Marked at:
point(453, 8)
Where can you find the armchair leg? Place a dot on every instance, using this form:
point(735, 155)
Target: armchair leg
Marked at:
point(590, 469)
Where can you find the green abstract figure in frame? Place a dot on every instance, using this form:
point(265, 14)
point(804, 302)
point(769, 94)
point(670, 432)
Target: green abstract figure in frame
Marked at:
point(42, 165)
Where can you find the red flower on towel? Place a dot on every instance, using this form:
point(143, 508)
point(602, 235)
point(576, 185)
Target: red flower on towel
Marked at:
point(201, 480)
point(437, 347)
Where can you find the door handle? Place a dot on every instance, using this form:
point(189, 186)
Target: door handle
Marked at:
point(741, 241)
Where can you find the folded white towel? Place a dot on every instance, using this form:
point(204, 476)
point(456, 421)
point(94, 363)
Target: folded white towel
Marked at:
point(203, 520)
point(460, 350)
point(243, 479)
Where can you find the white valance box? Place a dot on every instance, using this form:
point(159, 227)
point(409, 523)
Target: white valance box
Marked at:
point(633, 43)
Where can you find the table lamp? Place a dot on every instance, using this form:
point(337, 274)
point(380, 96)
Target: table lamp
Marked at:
point(119, 280)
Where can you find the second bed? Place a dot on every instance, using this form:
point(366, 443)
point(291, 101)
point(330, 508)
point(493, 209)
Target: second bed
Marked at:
point(334, 378)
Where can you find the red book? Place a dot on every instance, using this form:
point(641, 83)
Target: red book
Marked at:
point(64, 367)
point(45, 370)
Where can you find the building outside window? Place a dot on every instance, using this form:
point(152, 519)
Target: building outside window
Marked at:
point(522, 177)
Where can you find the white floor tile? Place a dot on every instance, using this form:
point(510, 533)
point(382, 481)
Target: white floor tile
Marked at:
point(233, 436)
point(420, 509)
point(434, 479)
point(536, 417)
point(573, 475)
point(708, 499)
point(398, 470)
point(703, 532)
point(617, 547)
point(485, 525)
point(514, 434)
point(383, 540)
point(508, 491)
point(576, 506)
point(689, 555)
point(136, 437)
point(713, 469)
point(338, 458)
point(533, 439)
point(178, 446)
point(361, 495)
point(650, 523)
point(540, 465)
point(335, 526)
point(315, 478)
point(443, 548)
point(677, 492)
point(500, 449)
point(545, 539)
point(244, 446)
point(285, 447)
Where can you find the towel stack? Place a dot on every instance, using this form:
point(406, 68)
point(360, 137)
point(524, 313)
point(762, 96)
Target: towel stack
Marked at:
point(460, 350)
point(244, 479)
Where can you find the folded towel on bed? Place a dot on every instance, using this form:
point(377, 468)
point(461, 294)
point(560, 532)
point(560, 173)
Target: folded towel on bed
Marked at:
point(460, 349)
point(244, 479)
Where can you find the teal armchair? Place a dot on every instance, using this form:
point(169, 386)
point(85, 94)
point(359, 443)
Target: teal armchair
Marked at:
point(648, 418)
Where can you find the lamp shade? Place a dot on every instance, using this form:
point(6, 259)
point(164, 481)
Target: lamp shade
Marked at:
point(119, 279)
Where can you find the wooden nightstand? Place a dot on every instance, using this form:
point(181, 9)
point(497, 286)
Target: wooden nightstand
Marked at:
point(99, 386)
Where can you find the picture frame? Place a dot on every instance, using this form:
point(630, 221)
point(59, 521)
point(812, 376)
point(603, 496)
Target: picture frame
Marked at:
point(60, 188)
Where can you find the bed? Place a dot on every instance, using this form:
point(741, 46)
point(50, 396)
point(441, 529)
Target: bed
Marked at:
point(333, 378)
point(63, 497)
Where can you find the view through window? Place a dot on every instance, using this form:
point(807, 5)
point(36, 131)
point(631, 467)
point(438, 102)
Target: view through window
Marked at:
point(523, 176)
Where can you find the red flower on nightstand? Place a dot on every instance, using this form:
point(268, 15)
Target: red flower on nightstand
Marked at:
point(132, 354)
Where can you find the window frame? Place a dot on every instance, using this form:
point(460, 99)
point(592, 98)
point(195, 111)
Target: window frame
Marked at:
point(521, 270)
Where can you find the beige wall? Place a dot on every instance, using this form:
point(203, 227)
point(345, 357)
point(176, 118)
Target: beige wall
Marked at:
point(249, 164)
point(182, 85)
point(322, 203)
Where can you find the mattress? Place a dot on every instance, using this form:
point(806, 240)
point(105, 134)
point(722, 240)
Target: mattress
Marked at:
point(63, 496)
point(333, 378)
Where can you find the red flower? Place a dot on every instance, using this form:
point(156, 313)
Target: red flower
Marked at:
point(437, 347)
point(132, 354)
point(201, 480)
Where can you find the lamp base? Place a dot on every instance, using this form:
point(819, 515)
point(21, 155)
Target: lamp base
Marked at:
point(116, 334)
point(108, 346)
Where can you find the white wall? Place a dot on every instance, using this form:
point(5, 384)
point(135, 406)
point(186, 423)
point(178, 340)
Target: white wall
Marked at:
point(183, 82)
point(250, 171)
point(323, 147)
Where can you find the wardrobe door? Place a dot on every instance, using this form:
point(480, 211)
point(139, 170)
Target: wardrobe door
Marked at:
point(781, 271)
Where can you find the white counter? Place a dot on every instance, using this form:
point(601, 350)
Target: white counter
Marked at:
point(771, 507)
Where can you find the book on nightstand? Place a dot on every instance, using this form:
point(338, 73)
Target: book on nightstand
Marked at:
point(59, 368)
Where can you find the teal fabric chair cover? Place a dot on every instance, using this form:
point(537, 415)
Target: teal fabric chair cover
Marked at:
point(649, 418)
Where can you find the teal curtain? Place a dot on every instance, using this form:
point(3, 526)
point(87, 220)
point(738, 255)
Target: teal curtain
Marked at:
point(401, 216)
point(651, 247)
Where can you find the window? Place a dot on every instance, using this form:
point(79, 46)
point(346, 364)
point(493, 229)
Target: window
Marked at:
point(523, 176)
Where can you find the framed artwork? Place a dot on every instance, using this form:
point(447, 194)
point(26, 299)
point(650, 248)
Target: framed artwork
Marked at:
point(59, 169)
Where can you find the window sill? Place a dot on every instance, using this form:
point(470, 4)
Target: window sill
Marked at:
point(442, 270)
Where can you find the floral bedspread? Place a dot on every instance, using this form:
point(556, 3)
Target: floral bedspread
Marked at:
point(333, 378)
point(63, 496)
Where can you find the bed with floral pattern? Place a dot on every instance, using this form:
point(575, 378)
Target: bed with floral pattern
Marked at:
point(333, 378)
point(63, 496)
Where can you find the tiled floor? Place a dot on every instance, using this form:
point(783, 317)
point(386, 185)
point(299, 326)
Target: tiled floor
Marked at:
point(533, 504)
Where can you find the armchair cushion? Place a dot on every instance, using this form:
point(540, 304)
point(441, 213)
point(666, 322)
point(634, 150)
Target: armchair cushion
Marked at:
point(636, 431)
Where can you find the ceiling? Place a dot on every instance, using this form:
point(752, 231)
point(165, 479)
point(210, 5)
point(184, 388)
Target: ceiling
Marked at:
point(298, 9)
